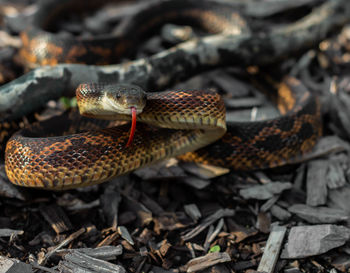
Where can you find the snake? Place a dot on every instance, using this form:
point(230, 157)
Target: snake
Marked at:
point(72, 151)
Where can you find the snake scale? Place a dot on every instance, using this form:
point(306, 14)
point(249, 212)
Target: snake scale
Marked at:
point(170, 123)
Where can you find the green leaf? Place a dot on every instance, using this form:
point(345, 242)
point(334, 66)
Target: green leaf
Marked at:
point(68, 102)
point(215, 248)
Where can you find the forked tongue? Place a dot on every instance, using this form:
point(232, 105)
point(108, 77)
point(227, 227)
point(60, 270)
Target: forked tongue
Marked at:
point(133, 126)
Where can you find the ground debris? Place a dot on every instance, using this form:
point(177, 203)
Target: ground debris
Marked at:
point(318, 215)
point(316, 187)
point(57, 218)
point(8, 265)
point(79, 262)
point(203, 262)
point(105, 253)
point(6, 232)
point(272, 250)
point(264, 192)
point(305, 241)
point(207, 222)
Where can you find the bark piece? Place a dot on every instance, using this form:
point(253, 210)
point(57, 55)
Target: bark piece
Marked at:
point(272, 249)
point(193, 211)
point(110, 201)
point(319, 215)
point(7, 189)
point(7, 232)
point(204, 171)
point(105, 253)
point(124, 233)
point(210, 259)
point(195, 182)
point(8, 265)
point(207, 222)
point(57, 218)
point(336, 176)
point(280, 213)
point(79, 262)
point(305, 241)
point(316, 183)
point(339, 198)
point(266, 191)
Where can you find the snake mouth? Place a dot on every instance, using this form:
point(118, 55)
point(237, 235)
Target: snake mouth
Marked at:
point(109, 104)
point(133, 126)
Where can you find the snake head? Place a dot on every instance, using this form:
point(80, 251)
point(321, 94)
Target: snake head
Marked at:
point(123, 97)
point(109, 101)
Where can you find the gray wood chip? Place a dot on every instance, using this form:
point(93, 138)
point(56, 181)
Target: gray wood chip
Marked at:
point(207, 222)
point(336, 176)
point(195, 182)
point(7, 189)
point(264, 192)
point(319, 215)
point(193, 211)
point(124, 233)
point(204, 171)
point(110, 201)
point(280, 213)
point(104, 252)
point(272, 249)
point(79, 261)
point(340, 198)
point(305, 241)
point(316, 183)
point(161, 170)
point(7, 232)
point(8, 265)
point(210, 259)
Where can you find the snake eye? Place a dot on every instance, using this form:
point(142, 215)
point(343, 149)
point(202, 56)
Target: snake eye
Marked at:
point(118, 96)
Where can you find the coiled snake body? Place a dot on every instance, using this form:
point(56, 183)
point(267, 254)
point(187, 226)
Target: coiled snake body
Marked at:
point(186, 120)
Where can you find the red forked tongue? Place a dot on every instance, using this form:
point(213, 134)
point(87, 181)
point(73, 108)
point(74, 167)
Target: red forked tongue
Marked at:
point(133, 126)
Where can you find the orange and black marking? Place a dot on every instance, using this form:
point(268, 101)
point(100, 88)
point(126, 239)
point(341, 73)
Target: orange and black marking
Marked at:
point(187, 121)
point(41, 46)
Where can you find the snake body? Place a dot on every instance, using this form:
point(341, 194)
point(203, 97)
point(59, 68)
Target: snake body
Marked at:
point(177, 123)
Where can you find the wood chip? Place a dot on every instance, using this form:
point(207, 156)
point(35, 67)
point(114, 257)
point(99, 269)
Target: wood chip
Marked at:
point(272, 249)
point(319, 215)
point(151, 204)
point(8, 265)
point(280, 213)
point(195, 182)
point(204, 171)
point(212, 235)
point(263, 222)
point(7, 232)
point(124, 233)
point(79, 262)
point(207, 222)
point(210, 259)
point(110, 201)
point(65, 242)
point(105, 253)
point(316, 183)
point(7, 189)
point(305, 241)
point(339, 198)
point(336, 176)
point(57, 218)
point(193, 211)
point(266, 191)
point(161, 170)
